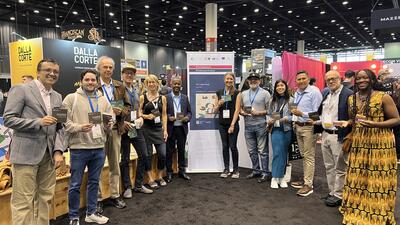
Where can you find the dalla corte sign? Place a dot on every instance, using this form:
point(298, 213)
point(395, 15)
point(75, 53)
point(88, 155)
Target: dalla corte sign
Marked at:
point(80, 33)
point(385, 19)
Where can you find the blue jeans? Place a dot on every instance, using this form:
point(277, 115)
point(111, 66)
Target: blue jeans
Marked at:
point(280, 144)
point(257, 145)
point(94, 160)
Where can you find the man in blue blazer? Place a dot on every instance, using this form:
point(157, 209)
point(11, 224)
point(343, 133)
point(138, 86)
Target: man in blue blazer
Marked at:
point(37, 144)
point(179, 115)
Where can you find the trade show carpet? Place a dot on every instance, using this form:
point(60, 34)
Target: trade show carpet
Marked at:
point(210, 200)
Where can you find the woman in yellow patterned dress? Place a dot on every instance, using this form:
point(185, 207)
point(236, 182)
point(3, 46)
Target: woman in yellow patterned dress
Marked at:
point(369, 193)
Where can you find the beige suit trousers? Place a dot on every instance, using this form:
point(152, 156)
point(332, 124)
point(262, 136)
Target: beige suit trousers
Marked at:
point(32, 183)
point(335, 161)
point(112, 150)
point(306, 140)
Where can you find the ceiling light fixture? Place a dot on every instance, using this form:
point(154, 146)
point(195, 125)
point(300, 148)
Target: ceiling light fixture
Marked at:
point(290, 11)
point(146, 15)
point(185, 8)
point(221, 9)
point(146, 6)
point(345, 2)
point(36, 11)
point(107, 5)
point(256, 10)
point(21, 1)
point(111, 13)
point(309, 1)
point(75, 12)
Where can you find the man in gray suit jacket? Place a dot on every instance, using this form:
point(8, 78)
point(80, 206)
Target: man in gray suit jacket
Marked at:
point(36, 146)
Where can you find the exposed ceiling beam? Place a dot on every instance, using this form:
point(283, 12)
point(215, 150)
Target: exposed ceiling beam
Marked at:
point(395, 4)
point(347, 22)
point(262, 5)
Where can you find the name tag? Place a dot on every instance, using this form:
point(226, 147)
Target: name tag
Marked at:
point(96, 131)
point(157, 119)
point(225, 114)
point(133, 115)
point(277, 123)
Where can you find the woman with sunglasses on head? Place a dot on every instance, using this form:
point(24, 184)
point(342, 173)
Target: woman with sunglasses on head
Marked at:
point(279, 123)
point(225, 106)
point(369, 193)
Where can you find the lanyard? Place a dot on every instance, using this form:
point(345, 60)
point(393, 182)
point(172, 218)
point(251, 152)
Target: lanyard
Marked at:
point(177, 106)
point(132, 96)
point(299, 99)
point(105, 91)
point(90, 101)
point(252, 100)
point(226, 103)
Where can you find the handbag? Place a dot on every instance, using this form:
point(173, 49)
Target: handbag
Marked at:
point(288, 173)
point(347, 141)
point(294, 150)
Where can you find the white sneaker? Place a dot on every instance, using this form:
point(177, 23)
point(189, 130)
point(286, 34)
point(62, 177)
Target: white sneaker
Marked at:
point(235, 175)
point(274, 183)
point(282, 183)
point(96, 218)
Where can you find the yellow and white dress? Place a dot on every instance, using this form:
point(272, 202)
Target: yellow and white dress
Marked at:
point(369, 193)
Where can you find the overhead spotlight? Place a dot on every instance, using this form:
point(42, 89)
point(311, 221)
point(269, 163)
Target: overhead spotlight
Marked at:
point(185, 8)
point(221, 9)
point(345, 2)
point(18, 35)
point(21, 1)
point(77, 37)
point(101, 40)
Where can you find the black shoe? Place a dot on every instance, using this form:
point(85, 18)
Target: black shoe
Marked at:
point(118, 202)
point(184, 176)
point(326, 197)
point(168, 179)
point(99, 207)
point(333, 201)
point(253, 175)
point(264, 177)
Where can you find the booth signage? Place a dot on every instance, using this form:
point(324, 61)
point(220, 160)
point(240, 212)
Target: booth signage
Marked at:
point(385, 19)
point(391, 61)
point(73, 57)
point(81, 33)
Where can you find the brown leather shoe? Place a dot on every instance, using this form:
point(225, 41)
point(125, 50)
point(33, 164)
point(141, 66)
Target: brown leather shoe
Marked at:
point(305, 191)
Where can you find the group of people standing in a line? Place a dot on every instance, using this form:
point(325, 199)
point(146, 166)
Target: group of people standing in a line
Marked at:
point(105, 116)
point(362, 181)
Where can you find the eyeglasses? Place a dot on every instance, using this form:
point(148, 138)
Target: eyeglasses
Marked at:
point(49, 71)
point(333, 79)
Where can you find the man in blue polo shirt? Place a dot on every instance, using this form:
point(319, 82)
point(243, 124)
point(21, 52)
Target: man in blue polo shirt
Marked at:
point(306, 101)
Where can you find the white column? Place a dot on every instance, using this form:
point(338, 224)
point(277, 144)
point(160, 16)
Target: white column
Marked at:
point(211, 27)
point(300, 47)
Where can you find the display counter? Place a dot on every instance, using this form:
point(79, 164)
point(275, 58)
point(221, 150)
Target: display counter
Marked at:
point(59, 205)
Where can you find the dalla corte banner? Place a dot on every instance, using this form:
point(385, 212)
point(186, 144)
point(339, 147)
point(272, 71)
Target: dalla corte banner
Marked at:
point(24, 57)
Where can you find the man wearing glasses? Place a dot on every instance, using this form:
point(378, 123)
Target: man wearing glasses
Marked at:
point(334, 111)
point(36, 147)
